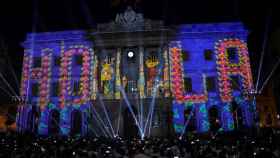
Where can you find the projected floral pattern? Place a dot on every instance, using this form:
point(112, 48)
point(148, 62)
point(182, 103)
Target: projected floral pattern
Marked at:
point(96, 76)
point(25, 73)
point(65, 75)
point(177, 80)
point(226, 68)
point(45, 78)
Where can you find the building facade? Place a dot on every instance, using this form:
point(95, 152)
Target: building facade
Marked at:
point(135, 74)
point(266, 108)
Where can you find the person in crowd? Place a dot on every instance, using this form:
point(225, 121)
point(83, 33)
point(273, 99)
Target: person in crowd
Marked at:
point(222, 146)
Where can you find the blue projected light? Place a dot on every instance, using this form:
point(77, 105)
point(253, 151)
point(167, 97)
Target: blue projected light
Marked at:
point(126, 68)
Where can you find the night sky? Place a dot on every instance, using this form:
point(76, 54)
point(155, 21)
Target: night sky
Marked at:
point(18, 17)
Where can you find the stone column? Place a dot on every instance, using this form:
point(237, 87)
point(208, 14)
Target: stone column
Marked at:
point(141, 81)
point(94, 77)
point(118, 76)
point(166, 74)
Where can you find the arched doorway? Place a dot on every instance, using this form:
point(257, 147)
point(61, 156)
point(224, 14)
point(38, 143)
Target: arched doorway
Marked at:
point(76, 123)
point(54, 118)
point(237, 113)
point(239, 119)
point(190, 114)
point(130, 127)
point(214, 119)
point(30, 121)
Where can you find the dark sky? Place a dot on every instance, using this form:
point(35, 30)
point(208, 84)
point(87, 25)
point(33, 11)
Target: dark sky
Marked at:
point(18, 17)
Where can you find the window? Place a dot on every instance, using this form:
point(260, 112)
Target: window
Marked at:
point(232, 54)
point(188, 84)
point(235, 82)
point(57, 61)
point(79, 59)
point(55, 89)
point(208, 54)
point(109, 58)
point(210, 84)
point(76, 88)
point(185, 55)
point(37, 62)
point(35, 89)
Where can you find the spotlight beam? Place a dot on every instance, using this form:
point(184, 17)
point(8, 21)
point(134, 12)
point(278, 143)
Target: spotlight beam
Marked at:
point(94, 132)
point(152, 107)
point(98, 116)
point(141, 114)
point(8, 85)
point(130, 109)
point(106, 113)
point(34, 28)
point(100, 126)
point(270, 75)
point(187, 122)
point(7, 92)
point(156, 85)
point(119, 118)
point(90, 118)
point(9, 63)
point(263, 49)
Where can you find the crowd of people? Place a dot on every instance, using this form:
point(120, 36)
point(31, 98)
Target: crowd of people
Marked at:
point(14, 145)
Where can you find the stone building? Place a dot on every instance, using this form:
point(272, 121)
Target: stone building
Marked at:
point(136, 76)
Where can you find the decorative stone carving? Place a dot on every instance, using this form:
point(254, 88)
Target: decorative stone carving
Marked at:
point(129, 18)
point(130, 21)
